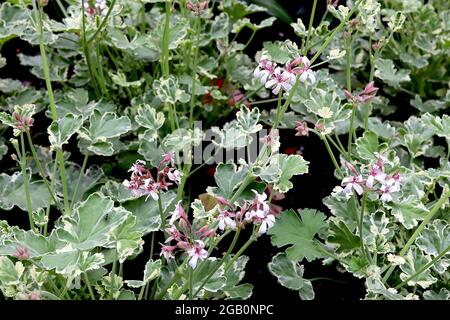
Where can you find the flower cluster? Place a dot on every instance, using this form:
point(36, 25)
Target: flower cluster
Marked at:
point(21, 253)
point(197, 6)
point(192, 241)
point(142, 181)
point(183, 234)
point(366, 95)
point(279, 78)
point(95, 7)
point(374, 179)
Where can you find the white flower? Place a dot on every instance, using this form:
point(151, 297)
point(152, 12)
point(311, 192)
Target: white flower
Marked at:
point(265, 69)
point(175, 176)
point(137, 168)
point(387, 188)
point(266, 223)
point(281, 79)
point(167, 251)
point(177, 213)
point(197, 252)
point(353, 182)
point(225, 220)
point(376, 173)
point(305, 71)
point(259, 208)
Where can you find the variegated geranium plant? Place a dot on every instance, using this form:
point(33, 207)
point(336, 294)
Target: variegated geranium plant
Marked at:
point(127, 92)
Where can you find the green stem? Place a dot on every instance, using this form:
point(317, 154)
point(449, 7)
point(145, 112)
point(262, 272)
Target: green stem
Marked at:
point(165, 42)
point(424, 268)
point(364, 250)
point(350, 131)
point(88, 283)
point(194, 71)
point(77, 186)
point(230, 249)
point(330, 152)
point(191, 283)
point(26, 183)
point(419, 230)
point(62, 8)
point(41, 170)
point(311, 20)
point(103, 23)
point(86, 50)
point(338, 148)
point(60, 158)
point(240, 252)
point(335, 31)
point(161, 213)
point(47, 213)
point(175, 278)
point(277, 117)
point(44, 61)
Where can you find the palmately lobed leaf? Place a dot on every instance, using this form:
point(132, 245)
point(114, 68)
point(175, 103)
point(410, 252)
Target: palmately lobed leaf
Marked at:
point(91, 222)
point(299, 230)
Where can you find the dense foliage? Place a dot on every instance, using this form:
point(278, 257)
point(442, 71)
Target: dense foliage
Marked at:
point(98, 148)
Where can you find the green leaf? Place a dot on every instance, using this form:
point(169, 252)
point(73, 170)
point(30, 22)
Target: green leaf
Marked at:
point(416, 137)
point(342, 237)
point(234, 275)
point(434, 240)
point(409, 211)
point(290, 166)
point(91, 223)
point(167, 91)
point(12, 193)
point(152, 271)
point(238, 9)
point(275, 9)
point(415, 261)
point(37, 244)
point(428, 105)
point(443, 294)
point(299, 28)
point(367, 145)
point(61, 131)
point(386, 71)
point(228, 178)
point(10, 273)
point(10, 85)
point(290, 275)
point(147, 212)
point(215, 283)
point(102, 128)
point(440, 126)
point(120, 79)
point(299, 230)
point(148, 118)
point(126, 241)
point(343, 209)
point(106, 126)
point(116, 191)
point(248, 120)
point(3, 148)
